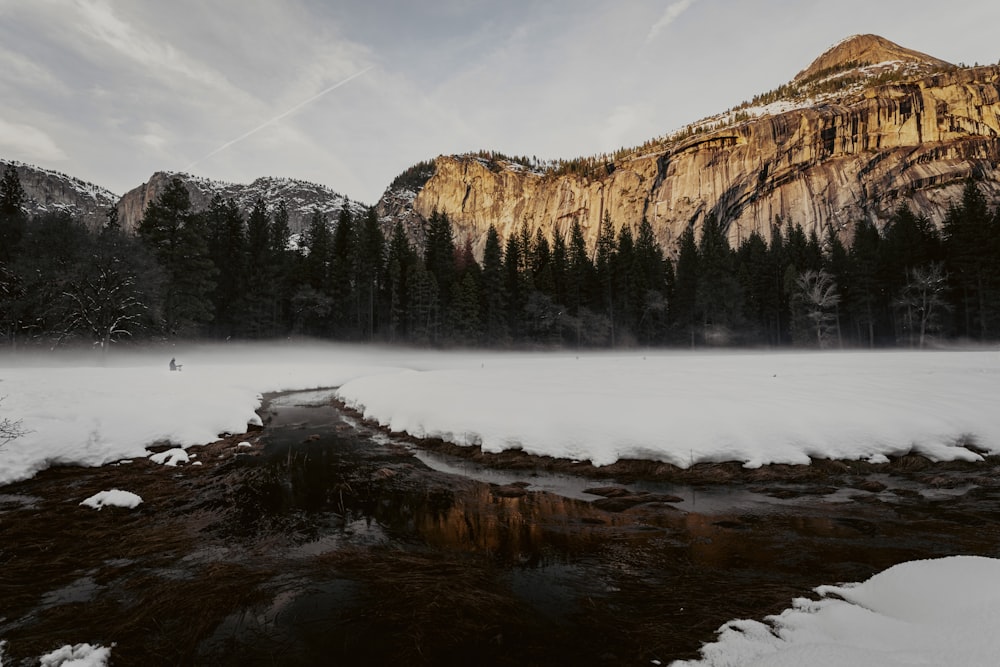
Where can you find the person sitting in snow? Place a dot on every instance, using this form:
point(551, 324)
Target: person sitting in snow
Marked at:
point(174, 366)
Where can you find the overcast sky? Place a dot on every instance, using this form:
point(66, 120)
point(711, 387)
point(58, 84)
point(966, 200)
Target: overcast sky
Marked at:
point(349, 93)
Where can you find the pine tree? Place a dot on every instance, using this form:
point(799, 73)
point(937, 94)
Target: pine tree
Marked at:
point(865, 293)
point(515, 289)
point(343, 275)
point(755, 282)
point(604, 270)
point(626, 290)
point(311, 303)
point(579, 270)
point(283, 259)
point(423, 307)
point(465, 324)
point(261, 290)
point(684, 305)
point(178, 241)
point(776, 304)
point(651, 285)
point(227, 249)
point(318, 252)
point(400, 260)
point(439, 255)
point(541, 264)
point(718, 296)
point(972, 242)
point(370, 262)
point(494, 306)
point(560, 268)
point(52, 254)
point(12, 214)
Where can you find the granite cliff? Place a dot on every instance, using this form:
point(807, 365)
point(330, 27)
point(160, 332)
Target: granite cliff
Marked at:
point(301, 197)
point(868, 125)
point(48, 191)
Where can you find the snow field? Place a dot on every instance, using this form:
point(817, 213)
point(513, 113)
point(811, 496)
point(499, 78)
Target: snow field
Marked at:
point(680, 408)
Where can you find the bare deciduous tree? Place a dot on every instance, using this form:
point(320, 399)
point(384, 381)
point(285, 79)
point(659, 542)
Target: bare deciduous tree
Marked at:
point(10, 429)
point(922, 302)
point(816, 295)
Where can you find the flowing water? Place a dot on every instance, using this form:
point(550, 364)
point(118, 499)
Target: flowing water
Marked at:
point(598, 587)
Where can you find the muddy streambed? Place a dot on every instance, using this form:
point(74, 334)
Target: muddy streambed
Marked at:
point(321, 540)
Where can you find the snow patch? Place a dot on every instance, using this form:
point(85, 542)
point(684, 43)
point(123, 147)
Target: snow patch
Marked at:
point(113, 498)
point(77, 655)
point(170, 457)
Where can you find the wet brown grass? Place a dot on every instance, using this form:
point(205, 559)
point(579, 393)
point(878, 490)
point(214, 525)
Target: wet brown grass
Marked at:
point(73, 574)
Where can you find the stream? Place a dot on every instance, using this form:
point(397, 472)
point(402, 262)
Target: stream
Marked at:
point(597, 587)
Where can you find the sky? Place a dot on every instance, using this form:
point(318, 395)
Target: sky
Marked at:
point(349, 93)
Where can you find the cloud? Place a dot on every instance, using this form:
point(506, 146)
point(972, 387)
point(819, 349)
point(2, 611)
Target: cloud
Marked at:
point(670, 15)
point(28, 143)
point(155, 136)
point(102, 24)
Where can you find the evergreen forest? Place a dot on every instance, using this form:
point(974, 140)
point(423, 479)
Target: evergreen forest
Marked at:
point(218, 274)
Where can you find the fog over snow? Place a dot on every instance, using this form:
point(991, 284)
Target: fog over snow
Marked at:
point(677, 407)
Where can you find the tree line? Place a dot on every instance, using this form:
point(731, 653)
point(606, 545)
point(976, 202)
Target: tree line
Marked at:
point(220, 274)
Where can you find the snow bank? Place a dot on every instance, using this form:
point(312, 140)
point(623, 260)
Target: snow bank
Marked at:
point(930, 612)
point(79, 413)
point(757, 408)
point(681, 408)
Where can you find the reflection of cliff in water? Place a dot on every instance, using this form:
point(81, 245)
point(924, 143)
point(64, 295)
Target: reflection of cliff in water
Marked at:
point(332, 480)
point(338, 480)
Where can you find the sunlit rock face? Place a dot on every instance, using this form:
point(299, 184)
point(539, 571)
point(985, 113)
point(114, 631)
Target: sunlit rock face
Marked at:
point(868, 125)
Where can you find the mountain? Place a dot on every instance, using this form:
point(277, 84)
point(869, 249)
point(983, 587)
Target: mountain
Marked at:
point(867, 126)
point(302, 198)
point(48, 191)
point(865, 51)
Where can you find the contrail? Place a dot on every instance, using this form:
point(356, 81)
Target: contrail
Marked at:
point(280, 116)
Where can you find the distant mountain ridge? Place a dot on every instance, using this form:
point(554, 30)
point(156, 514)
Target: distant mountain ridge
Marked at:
point(48, 191)
point(301, 198)
point(867, 126)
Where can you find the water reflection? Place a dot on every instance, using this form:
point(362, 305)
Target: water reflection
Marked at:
point(362, 509)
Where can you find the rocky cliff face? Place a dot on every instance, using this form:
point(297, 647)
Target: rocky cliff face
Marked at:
point(885, 127)
point(301, 197)
point(48, 191)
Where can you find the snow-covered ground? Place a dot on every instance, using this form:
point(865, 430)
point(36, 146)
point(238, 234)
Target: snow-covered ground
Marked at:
point(676, 407)
point(931, 612)
point(683, 408)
